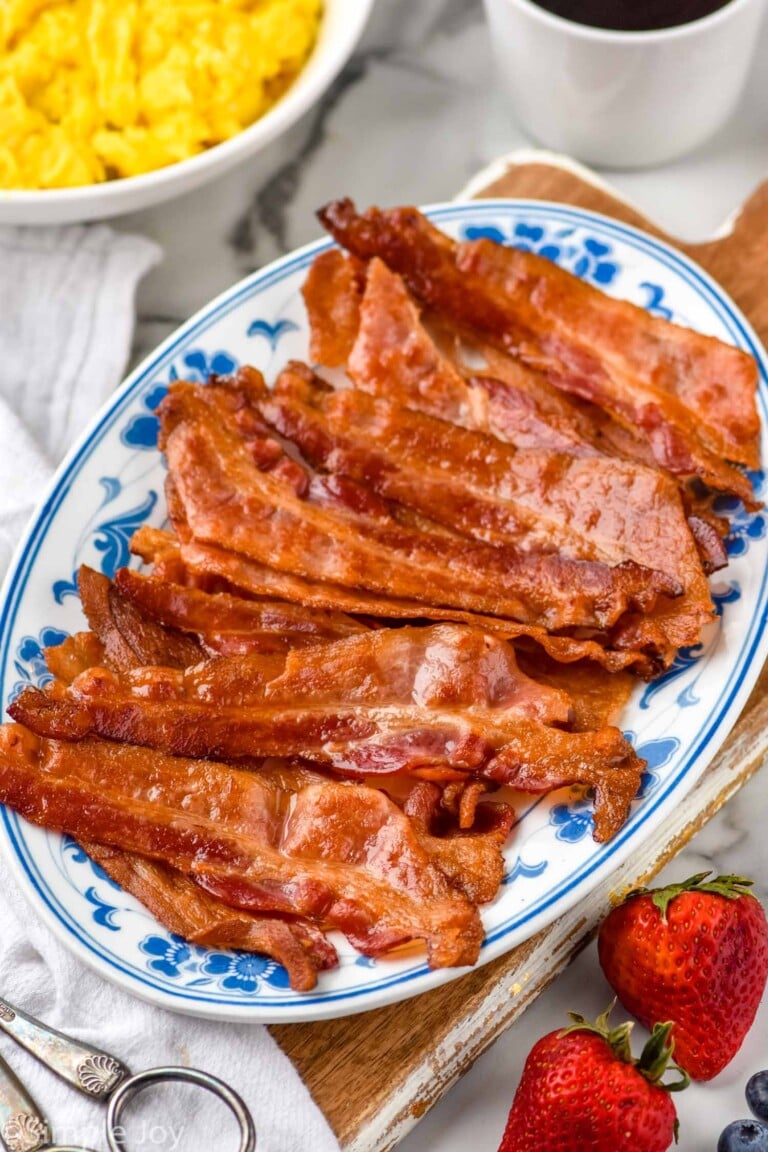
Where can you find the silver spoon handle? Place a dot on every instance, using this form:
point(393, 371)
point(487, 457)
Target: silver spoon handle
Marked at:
point(91, 1071)
point(23, 1127)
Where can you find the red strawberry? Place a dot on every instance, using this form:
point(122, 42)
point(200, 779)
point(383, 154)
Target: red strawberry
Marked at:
point(695, 953)
point(582, 1089)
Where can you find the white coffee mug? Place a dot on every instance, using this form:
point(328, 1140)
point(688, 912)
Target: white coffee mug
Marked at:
point(622, 99)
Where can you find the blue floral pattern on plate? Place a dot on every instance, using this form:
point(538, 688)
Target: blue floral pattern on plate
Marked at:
point(572, 821)
point(142, 429)
point(244, 972)
point(104, 913)
point(114, 484)
point(29, 663)
point(168, 953)
point(272, 333)
point(241, 973)
point(654, 301)
point(585, 256)
point(108, 537)
point(71, 848)
point(746, 527)
point(657, 754)
point(521, 870)
point(112, 537)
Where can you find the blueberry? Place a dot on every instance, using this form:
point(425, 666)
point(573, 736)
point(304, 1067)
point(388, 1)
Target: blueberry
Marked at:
point(744, 1136)
point(757, 1095)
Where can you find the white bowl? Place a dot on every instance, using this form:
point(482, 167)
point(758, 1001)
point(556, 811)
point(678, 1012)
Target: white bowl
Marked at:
point(341, 27)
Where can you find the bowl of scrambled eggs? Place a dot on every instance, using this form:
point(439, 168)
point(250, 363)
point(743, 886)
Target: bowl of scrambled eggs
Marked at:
point(109, 106)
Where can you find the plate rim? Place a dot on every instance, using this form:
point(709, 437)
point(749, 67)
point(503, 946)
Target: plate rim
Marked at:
point(745, 670)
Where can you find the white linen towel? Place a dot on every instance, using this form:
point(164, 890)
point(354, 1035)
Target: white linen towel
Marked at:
point(66, 320)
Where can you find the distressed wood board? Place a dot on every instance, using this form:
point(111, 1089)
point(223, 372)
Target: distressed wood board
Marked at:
point(374, 1076)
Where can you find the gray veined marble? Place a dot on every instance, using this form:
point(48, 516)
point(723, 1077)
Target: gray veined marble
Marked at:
point(413, 116)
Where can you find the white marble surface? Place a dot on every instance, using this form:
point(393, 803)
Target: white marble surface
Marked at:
point(415, 114)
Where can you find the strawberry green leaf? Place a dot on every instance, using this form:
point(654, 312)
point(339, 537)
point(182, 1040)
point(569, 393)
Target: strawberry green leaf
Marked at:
point(655, 1059)
point(618, 1038)
point(730, 887)
point(654, 1062)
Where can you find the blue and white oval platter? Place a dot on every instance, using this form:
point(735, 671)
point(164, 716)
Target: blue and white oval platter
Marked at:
point(112, 482)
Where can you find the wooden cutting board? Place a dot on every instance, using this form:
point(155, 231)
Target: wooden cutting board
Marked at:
point(375, 1075)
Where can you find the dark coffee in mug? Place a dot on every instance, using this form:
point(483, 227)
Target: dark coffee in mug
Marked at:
point(632, 15)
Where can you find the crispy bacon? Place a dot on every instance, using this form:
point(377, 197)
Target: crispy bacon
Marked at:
point(443, 702)
point(229, 502)
point(525, 460)
point(332, 293)
point(597, 697)
point(395, 357)
point(228, 624)
point(587, 508)
point(715, 383)
point(463, 836)
point(471, 858)
point(196, 563)
point(541, 501)
point(342, 857)
point(445, 665)
point(184, 908)
point(710, 543)
point(529, 307)
point(129, 638)
point(692, 397)
point(67, 660)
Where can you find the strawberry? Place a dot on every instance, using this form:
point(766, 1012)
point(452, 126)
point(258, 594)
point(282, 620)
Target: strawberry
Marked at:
point(695, 953)
point(581, 1089)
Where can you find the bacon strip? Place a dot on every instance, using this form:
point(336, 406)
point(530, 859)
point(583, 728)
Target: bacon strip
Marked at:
point(715, 383)
point(200, 562)
point(184, 908)
point(586, 508)
point(598, 697)
point(442, 702)
point(592, 508)
point(332, 294)
point(228, 624)
point(463, 837)
point(130, 640)
point(529, 307)
point(230, 502)
point(344, 857)
point(360, 741)
point(472, 859)
point(394, 357)
point(178, 903)
point(445, 665)
point(67, 660)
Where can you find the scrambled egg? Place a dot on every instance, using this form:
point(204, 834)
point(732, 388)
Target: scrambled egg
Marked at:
point(96, 89)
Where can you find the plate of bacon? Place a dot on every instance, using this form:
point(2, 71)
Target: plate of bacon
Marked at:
point(385, 609)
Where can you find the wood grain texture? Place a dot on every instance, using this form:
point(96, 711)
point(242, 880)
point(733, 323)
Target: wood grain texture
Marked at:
point(375, 1075)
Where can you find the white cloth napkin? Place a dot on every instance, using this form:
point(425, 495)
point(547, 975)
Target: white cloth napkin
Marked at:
point(66, 319)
